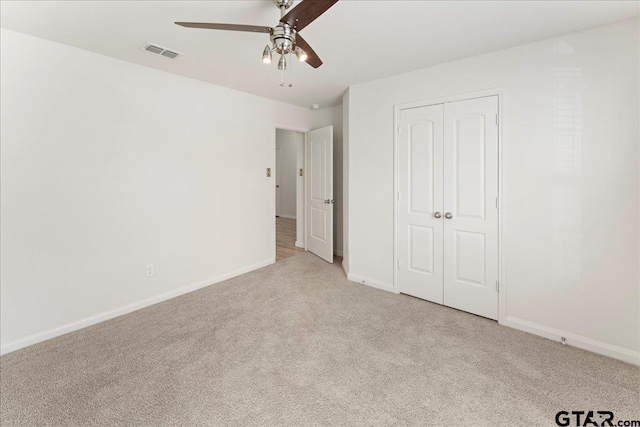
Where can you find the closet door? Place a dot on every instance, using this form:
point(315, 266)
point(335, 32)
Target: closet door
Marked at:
point(420, 160)
point(470, 206)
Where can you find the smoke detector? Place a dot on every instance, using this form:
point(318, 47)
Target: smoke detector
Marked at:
point(315, 106)
point(159, 50)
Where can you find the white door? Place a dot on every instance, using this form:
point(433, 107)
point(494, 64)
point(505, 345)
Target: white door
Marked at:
point(278, 176)
point(470, 205)
point(420, 204)
point(319, 194)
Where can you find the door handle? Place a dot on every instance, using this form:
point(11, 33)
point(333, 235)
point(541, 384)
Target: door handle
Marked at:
point(437, 215)
point(327, 201)
point(448, 215)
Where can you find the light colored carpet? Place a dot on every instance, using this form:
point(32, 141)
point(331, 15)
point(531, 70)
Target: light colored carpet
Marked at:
point(297, 344)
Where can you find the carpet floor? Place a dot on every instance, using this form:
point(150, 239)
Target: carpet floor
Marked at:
point(295, 343)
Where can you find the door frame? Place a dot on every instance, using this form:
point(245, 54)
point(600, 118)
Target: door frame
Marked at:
point(500, 92)
point(274, 171)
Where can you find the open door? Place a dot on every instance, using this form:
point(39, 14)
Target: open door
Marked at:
point(319, 195)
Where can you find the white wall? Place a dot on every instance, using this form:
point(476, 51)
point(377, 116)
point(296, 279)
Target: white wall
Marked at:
point(321, 118)
point(107, 166)
point(570, 180)
point(288, 142)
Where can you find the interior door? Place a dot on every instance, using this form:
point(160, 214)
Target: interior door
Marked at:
point(319, 194)
point(420, 202)
point(470, 204)
point(278, 181)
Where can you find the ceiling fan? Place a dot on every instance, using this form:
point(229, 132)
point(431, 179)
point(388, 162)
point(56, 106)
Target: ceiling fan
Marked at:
point(285, 37)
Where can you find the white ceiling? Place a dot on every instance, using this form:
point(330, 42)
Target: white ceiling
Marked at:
point(357, 40)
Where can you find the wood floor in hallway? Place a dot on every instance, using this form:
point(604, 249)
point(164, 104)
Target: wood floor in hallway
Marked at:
point(286, 238)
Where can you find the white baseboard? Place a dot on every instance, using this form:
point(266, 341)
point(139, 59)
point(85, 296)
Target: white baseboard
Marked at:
point(368, 282)
point(338, 252)
point(287, 216)
point(299, 245)
point(70, 327)
point(578, 341)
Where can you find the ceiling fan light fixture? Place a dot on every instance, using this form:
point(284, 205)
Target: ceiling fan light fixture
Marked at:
point(282, 63)
point(301, 54)
point(266, 55)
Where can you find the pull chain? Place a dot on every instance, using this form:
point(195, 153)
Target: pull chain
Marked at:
point(291, 61)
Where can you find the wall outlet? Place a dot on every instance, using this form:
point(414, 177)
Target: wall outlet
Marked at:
point(149, 271)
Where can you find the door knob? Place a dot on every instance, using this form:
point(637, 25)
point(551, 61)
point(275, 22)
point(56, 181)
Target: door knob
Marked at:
point(448, 215)
point(327, 201)
point(437, 215)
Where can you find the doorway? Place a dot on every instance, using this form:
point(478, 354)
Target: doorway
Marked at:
point(289, 188)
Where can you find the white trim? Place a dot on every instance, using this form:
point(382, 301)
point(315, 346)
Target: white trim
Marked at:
point(287, 216)
point(337, 252)
point(345, 269)
point(74, 326)
point(369, 282)
point(500, 93)
point(299, 245)
point(578, 341)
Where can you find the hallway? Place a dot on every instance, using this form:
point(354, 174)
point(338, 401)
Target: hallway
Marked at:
point(286, 238)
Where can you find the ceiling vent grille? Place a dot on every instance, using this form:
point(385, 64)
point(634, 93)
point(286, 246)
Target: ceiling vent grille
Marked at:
point(159, 50)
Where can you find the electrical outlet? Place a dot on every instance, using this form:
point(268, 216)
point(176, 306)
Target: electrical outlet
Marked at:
point(150, 271)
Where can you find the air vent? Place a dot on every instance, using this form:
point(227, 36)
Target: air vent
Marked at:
point(159, 50)
point(169, 54)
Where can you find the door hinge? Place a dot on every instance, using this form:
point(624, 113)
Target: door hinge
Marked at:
point(398, 196)
point(497, 203)
point(498, 119)
point(497, 286)
point(398, 264)
point(399, 130)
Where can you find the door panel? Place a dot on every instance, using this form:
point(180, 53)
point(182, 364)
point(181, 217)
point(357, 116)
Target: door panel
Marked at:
point(421, 250)
point(470, 193)
point(420, 161)
point(318, 224)
point(319, 199)
point(469, 166)
point(421, 169)
point(470, 257)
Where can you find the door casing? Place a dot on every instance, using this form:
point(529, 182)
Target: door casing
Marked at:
point(501, 94)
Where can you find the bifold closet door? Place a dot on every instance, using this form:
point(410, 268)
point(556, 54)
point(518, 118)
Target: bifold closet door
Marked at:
point(470, 206)
point(420, 202)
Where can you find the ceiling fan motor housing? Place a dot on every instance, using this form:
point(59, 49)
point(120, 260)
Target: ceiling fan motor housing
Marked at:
point(283, 38)
point(286, 3)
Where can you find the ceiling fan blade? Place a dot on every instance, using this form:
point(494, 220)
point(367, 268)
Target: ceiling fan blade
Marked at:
point(306, 12)
point(228, 27)
point(312, 57)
